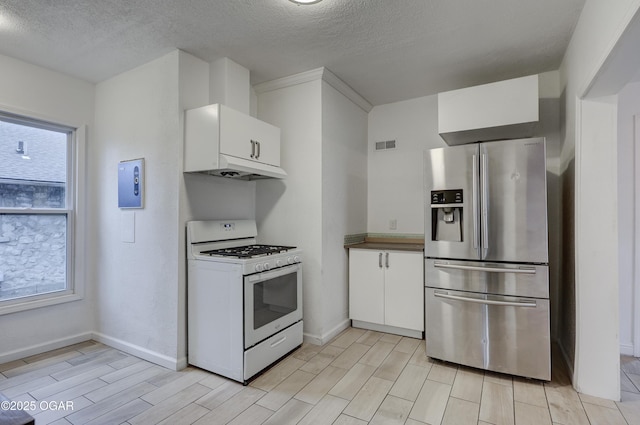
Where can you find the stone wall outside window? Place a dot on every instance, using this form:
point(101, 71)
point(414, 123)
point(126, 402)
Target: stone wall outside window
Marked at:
point(32, 246)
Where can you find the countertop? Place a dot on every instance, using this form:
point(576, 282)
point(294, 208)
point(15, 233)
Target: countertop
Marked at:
point(391, 245)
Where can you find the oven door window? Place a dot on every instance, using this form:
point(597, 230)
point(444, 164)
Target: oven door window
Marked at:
point(274, 298)
point(272, 302)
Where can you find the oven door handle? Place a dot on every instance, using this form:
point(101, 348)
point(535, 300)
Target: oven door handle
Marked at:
point(257, 277)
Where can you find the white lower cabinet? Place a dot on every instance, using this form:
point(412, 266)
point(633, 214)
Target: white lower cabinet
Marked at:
point(386, 290)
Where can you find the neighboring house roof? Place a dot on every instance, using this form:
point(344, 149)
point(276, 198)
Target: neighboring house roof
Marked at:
point(44, 158)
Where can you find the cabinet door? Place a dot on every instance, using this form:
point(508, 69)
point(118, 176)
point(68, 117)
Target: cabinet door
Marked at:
point(404, 290)
point(245, 137)
point(366, 286)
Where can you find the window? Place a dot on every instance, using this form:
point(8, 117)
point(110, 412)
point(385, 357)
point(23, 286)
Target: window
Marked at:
point(36, 210)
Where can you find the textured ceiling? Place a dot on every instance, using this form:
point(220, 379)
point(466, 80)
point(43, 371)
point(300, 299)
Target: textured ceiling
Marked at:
point(387, 50)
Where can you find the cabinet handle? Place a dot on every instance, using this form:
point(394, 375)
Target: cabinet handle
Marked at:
point(380, 260)
point(386, 260)
point(253, 148)
point(258, 154)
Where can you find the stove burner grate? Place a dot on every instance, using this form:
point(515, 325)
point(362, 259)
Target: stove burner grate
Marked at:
point(248, 251)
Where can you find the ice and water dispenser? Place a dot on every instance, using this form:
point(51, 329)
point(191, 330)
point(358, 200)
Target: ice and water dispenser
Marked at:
point(446, 215)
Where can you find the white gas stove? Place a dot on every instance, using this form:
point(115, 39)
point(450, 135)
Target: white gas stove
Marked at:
point(244, 298)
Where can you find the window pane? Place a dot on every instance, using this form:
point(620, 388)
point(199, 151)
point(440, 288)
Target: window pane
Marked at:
point(34, 166)
point(34, 249)
point(33, 254)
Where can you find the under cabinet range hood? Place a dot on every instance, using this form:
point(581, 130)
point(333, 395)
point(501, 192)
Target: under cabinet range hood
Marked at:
point(223, 142)
point(241, 169)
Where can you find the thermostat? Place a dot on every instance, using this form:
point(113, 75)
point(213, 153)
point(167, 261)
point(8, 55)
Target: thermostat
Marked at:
point(131, 183)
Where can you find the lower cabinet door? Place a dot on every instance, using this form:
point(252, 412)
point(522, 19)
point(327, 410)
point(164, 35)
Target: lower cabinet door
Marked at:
point(404, 290)
point(366, 286)
point(498, 333)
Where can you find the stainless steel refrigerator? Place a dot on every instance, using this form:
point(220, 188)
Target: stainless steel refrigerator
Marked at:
point(486, 257)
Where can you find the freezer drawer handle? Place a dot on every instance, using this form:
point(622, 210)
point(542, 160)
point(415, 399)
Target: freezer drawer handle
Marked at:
point(485, 269)
point(481, 301)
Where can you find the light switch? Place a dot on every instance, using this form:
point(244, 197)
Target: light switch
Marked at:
point(128, 227)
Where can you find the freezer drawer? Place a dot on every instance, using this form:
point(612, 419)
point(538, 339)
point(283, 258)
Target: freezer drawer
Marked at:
point(503, 334)
point(516, 280)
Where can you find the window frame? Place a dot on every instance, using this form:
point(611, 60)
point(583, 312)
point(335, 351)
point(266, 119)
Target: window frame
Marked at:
point(74, 184)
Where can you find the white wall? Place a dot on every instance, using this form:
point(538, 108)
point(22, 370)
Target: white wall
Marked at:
point(344, 198)
point(628, 109)
point(395, 176)
point(137, 283)
point(289, 211)
point(193, 75)
point(589, 143)
point(37, 92)
point(323, 198)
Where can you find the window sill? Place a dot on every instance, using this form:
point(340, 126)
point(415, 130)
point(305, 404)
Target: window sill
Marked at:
point(14, 306)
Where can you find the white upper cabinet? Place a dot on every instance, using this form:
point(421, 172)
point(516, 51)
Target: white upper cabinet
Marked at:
point(222, 141)
point(249, 138)
point(503, 110)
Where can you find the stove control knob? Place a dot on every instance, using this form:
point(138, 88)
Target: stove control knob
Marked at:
point(290, 260)
point(259, 267)
point(267, 266)
point(296, 259)
point(278, 263)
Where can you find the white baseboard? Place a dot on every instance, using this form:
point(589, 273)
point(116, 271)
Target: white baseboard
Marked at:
point(388, 329)
point(327, 336)
point(626, 349)
point(44, 347)
point(144, 353)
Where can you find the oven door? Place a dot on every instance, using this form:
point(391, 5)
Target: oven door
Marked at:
point(272, 302)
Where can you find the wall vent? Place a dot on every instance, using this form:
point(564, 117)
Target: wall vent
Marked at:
point(387, 144)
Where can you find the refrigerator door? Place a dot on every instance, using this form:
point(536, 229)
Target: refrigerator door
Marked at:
point(452, 199)
point(513, 186)
point(492, 332)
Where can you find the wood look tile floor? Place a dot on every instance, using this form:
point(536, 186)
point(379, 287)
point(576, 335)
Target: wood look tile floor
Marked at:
point(360, 377)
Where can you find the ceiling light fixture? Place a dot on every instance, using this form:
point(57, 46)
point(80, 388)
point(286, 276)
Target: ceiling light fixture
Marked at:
point(299, 2)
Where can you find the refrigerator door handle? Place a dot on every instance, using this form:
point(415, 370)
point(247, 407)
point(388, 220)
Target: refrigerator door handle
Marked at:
point(521, 270)
point(445, 295)
point(474, 197)
point(484, 214)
